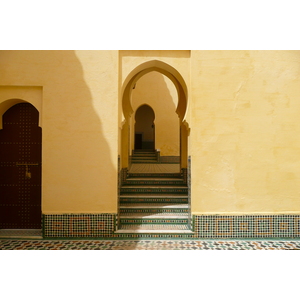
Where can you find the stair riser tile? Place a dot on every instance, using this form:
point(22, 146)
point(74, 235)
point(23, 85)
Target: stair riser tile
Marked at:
point(153, 201)
point(157, 175)
point(153, 221)
point(151, 182)
point(125, 191)
point(153, 211)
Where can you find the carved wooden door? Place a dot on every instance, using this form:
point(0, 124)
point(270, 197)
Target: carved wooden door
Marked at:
point(20, 168)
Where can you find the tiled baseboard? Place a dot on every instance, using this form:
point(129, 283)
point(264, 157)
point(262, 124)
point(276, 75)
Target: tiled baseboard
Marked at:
point(78, 225)
point(247, 226)
point(204, 226)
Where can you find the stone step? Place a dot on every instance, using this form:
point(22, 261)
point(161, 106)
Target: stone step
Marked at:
point(126, 211)
point(144, 161)
point(154, 190)
point(154, 228)
point(143, 150)
point(157, 179)
point(153, 200)
point(143, 157)
point(154, 175)
point(157, 215)
point(159, 209)
point(144, 154)
point(171, 209)
point(154, 181)
point(161, 206)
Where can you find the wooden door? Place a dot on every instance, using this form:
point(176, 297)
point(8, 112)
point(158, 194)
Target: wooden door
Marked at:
point(20, 168)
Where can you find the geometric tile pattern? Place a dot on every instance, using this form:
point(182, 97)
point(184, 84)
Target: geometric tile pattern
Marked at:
point(155, 226)
point(247, 226)
point(162, 191)
point(204, 227)
point(149, 221)
point(153, 190)
point(10, 244)
point(187, 179)
point(79, 225)
point(145, 213)
point(152, 201)
point(123, 174)
point(185, 174)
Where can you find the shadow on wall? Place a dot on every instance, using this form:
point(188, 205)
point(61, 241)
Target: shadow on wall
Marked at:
point(84, 148)
point(78, 173)
point(159, 92)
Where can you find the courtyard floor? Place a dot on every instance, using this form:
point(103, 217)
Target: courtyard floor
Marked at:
point(29, 244)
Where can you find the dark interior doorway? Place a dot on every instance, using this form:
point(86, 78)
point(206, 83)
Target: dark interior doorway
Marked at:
point(20, 168)
point(138, 141)
point(144, 128)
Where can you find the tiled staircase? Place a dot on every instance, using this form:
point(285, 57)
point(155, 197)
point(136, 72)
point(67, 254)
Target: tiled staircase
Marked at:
point(154, 203)
point(143, 156)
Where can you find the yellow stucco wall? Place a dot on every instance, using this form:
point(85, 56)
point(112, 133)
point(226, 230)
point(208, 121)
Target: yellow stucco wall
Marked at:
point(243, 110)
point(245, 143)
point(79, 117)
point(130, 59)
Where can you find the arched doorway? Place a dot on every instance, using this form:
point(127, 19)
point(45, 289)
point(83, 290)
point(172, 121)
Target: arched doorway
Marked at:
point(129, 85)
point(145, 182)
point(144, 133)
point(20, 168)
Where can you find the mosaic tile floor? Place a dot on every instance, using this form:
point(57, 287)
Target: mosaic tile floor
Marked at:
point(10, 244)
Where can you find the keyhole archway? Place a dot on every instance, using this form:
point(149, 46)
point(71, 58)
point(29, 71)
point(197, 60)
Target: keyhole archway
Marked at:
point(127, 109)
point(144, 131)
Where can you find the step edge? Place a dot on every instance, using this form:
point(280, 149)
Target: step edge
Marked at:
point(154, 187)
point(137, 216)
point(174, 231)
point(155, 179)
point(152, 196)
point(154, 207)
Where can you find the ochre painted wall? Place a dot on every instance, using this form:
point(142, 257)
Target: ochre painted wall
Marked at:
point(245, 136)
point(79, 123)
point(243, 113)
